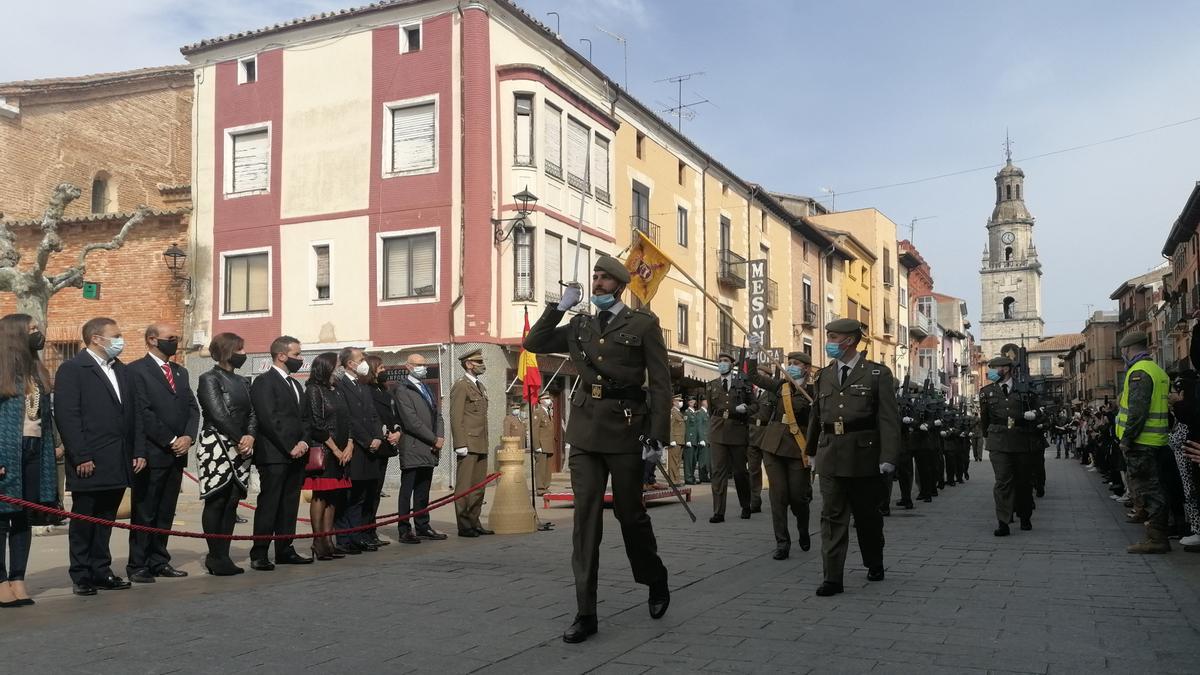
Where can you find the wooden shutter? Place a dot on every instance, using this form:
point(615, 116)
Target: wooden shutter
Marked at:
point(552, 266)
point(552, 143)
point(523, 264)
point(577, 144)
point(251, 159)
point(424, 265)
point(395, 263)
point(523, 142)
point(413, 137)
point(600, 166)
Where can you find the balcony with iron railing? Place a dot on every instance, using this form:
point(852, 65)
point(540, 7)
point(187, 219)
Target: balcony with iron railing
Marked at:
point(717, 347)
point(772, 294)
point(731, 268)
point(1126, 316)
point(644, 226)
point(810, 314)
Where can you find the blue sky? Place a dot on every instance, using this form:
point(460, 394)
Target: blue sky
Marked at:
point(847, 95)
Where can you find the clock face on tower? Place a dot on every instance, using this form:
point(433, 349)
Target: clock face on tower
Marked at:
point(1008, 237)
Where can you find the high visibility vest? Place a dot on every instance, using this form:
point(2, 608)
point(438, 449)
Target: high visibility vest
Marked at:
point(1155, 431)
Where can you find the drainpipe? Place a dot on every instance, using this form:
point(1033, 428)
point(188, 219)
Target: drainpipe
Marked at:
point(703, 244)
point(462, 178)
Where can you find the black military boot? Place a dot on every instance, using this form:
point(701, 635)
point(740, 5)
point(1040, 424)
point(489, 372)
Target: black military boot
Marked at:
point(1001, 530)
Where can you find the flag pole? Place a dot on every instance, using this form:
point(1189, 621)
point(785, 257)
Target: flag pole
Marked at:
point(701, 288)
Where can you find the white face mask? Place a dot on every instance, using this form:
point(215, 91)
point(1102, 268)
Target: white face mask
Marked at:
point(419, 372)
point(362, 369)
point(516, 412)
point(545, 403)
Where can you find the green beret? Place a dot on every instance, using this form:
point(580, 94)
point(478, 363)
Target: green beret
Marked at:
point(473, 354)
point(1134, 337)
point(615, 268)
point(801, 357)
point(999, 362)
point(849, 326)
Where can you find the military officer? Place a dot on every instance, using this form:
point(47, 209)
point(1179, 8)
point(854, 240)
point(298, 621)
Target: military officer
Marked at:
point(728, 434)
point(904, 470)
point(1142, 431)
point(695, 446)
point(764, 408)
point(855, 427)
point(678, 436)
point(783, 444)
point(615, 353)
point(469, 428)
point(1008, 418)
point(545, 441)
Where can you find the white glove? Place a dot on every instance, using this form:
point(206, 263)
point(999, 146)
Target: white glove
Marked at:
point(539, 451)
point(906, 420)
point(741, 408)
point(971, 435)
point(755, 342)
point(703, 443)
point(570, 297)
point(674, 444)
point(937, 423)
point(688, 444)
point(567, 447)
point(944, 434)
point(652, 450)
point(886, 468)
point(1030, 415)
point(461, 452)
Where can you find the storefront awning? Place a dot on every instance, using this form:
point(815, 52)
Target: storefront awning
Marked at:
point(697, 369)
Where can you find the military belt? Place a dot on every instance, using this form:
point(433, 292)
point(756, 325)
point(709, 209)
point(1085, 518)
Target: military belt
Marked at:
point(840, 428)
point(636, 394)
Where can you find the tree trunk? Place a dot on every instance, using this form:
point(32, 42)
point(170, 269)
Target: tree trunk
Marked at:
point(35, 303)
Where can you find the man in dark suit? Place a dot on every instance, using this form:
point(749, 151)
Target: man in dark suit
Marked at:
point(95, 404)
point(170, 420)
point(280, 451)
point(424, 430)
point(366, 468)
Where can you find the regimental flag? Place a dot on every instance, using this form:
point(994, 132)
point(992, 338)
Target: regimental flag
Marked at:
point(527, 368)
point(647, 266)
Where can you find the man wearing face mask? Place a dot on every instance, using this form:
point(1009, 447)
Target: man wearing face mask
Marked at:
point(678, 433)
point(1142, 432)
point(728, 436)
point(694, 432)
point(765, 402)
point(784, 447)
point(280, 452)
point(469, 430)
point(545, 442)
point(96, 411)
point(1007, 418)
point(366, 468)
point(170, 420)
point(855, 427)
point(615, 353)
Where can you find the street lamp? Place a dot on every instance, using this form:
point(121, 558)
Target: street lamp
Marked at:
point(176, 258)
point(526, 201)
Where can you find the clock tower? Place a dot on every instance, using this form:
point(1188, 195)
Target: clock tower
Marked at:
point(1011, 276)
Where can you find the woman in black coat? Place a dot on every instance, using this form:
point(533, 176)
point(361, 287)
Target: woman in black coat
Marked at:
point(389, 417)
point(226, 446)
point(328, 428)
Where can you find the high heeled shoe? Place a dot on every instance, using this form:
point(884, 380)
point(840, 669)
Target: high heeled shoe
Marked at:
point(221, 568)
point(320, 555)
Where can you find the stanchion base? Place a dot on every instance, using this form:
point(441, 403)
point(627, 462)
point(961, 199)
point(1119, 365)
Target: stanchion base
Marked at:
point(647, 495)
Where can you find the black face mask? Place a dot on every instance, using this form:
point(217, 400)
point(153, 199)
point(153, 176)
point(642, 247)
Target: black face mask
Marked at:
point(168, 347)
point(237, 360)
point(37, 341)
point(293, 364)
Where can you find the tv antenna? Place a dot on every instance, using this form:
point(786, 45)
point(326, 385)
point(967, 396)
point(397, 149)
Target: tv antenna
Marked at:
point(624, 51)
point(912, 227)
point(681, 110)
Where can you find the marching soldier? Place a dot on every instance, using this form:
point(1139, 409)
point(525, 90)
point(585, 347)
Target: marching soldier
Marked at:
point(1142, 429)
point(678, 436)
point(728, 435)
point(615, 353)
point(855, 427)
point(695, 450)
point(1007, 419)
point(764, 409)
point(469, 427)
point(545, 441)
point(904, 470)
point(783, 445)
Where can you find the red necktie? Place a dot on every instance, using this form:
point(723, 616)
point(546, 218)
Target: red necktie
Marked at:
point(170, 378)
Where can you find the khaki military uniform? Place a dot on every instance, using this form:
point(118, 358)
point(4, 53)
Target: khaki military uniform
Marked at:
point(1010, 445)
point(675, 451)
point(728, 436)
point(545, 439)
point(469, 428)
point(785, 461)
point(610, 411)
point(765, 404)
point(855, 427)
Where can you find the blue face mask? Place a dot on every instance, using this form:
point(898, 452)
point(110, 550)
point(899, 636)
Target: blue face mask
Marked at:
point(993, 375)
point(604, 301)
point(115, 347)
point(723, 367)
point(833, 350)
point(795, 372)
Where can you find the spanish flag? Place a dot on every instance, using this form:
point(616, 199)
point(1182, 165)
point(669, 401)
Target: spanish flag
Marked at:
point(527, 368)
point(647, 266)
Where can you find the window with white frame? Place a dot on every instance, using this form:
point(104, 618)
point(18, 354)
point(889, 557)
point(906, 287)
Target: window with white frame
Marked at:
point(322, 289)
point(925, 305)
point(681, 323)
point(248, 70)
point(249, 161)
point(600, 169)
point(247, 282)
point(681, 225)
point(410, 38)
point(577, 151)
point(409, 266)
point(925, 358)
point(903, 297)
point(552, 267)
point(552, 141)
point(523, 133)
point(523, 265)
point(411, 143)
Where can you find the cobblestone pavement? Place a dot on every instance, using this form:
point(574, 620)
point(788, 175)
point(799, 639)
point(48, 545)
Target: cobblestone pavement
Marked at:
point(1062, 598)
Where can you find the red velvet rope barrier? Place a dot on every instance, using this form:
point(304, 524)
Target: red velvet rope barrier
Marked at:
point(436, 504)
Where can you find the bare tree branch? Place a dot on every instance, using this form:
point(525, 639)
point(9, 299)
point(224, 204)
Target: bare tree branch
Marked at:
point(64, 194)
point(9, 255)
point(9, 276)
point(74, 275)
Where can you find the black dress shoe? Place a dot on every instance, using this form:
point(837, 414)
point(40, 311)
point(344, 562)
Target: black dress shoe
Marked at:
point(221, 568)
point(1026, 524)
point(366, 547)
point(84, 588)
point(756, 509)
point(1001, 530)
point(579, 631)
point(168, 572)
point(432, 535)
point(1040, 492)
point(780, 554)
point(112, 583)
point(343, 551)
point(141, 577)
point(885, 512)
point(905, 503)
point(379, 543)
point(409, 538)
point(659, 600)
point(483, 530)
point(471, 533)
point(745, 514)
point(292, 558)
point(805, 541)
point(927, 499)
point(717, 519)
point(828, 588)
point(262, 565)
point(875, 574)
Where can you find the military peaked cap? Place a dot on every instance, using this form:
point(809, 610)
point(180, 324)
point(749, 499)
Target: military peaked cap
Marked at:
point(801, 357)
point(999, 362)
point(476, 354)
point(615, 268)
point(849, 326)
point(1135, 337)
